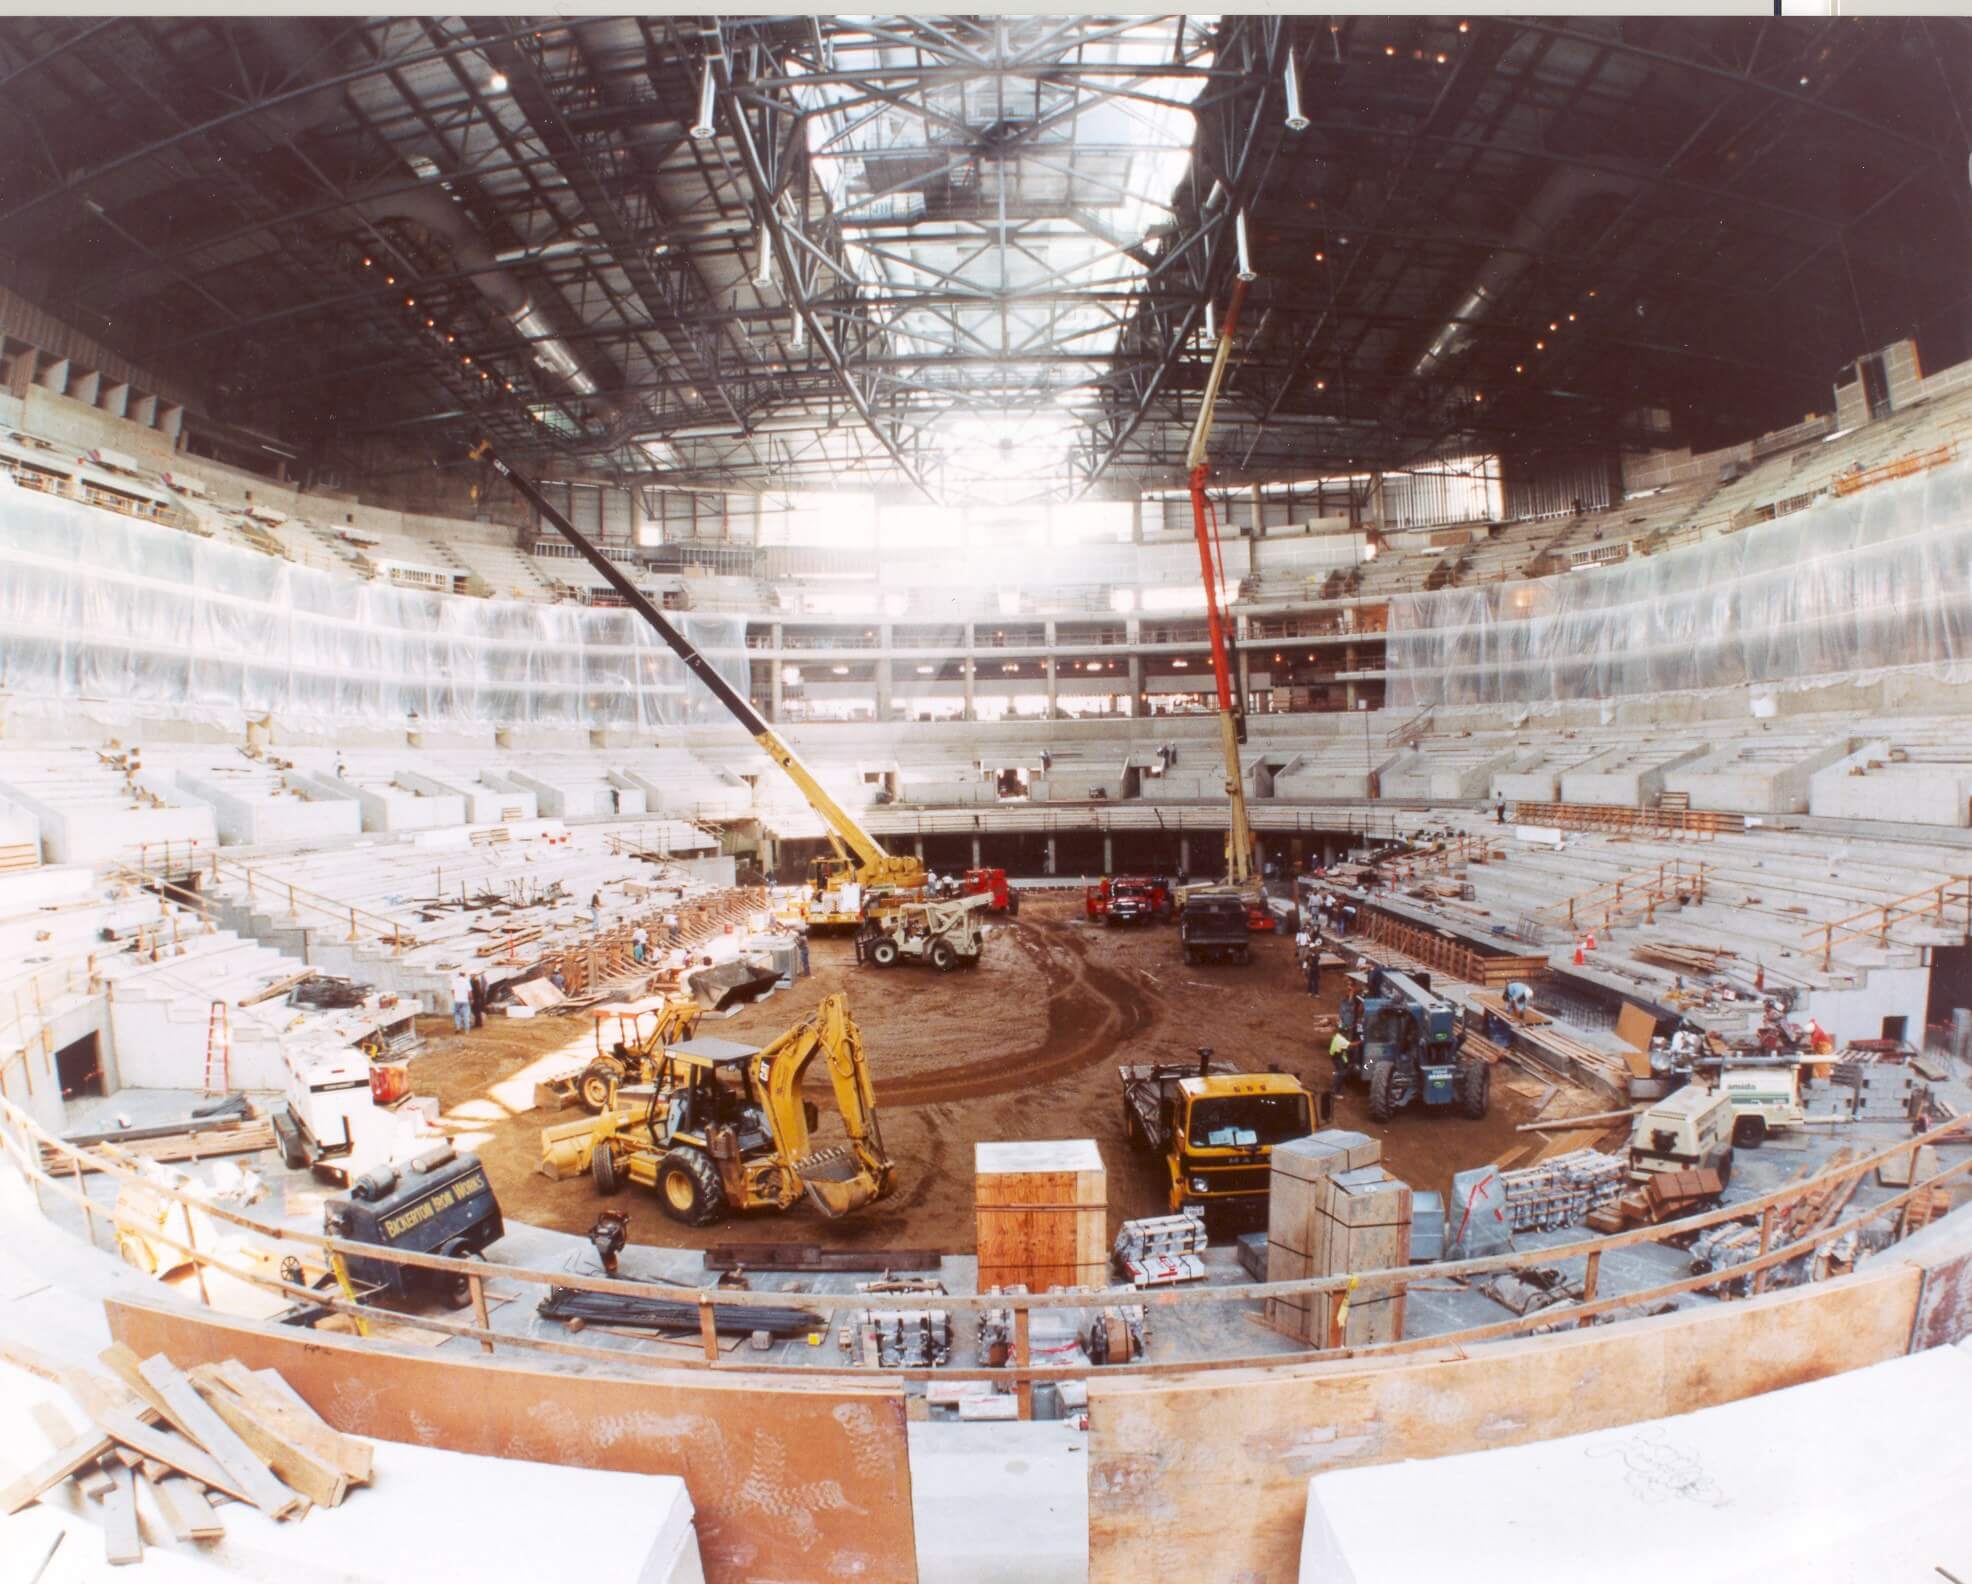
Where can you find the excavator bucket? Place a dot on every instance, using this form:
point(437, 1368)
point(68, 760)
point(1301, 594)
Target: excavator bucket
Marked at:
point(839, 1184)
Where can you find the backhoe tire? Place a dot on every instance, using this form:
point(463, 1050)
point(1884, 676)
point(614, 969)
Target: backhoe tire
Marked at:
point(688, 1188)
point(883, 954)
point(602, 1168)
point(944, 956)
point(594, 1086)
point(1475, 1085)
point(1382, 1079)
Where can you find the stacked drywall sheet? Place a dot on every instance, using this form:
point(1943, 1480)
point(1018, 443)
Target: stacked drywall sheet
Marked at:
point(1042, 1214)
point(1333, 1210)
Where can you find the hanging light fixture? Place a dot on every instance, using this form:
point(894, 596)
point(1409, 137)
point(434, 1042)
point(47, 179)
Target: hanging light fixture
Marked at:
point(1296, 121)
point(1246, 271)
point(702, 128)
point(800, 332)
point(763, 270)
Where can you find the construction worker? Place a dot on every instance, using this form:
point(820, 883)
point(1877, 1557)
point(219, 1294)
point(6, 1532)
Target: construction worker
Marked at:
point(596, 911)
point(1499, 808)
point(1338, 1057)
point(1312, 965)
point(1519, 999)
point(461, 988)
point(801, 942)
point(639, 940)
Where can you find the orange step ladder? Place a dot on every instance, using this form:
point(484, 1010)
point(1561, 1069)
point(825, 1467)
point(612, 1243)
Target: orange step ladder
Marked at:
point(218, 1050)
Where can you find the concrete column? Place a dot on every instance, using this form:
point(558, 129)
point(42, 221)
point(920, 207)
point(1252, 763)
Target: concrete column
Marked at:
point(1052, 712)
point(1108, 853)
point(1349, 664)
point(774, 669)
point(1136, 685)
point(1184, 855)
point(975, 852)
point(884, 683)
point(1049, 861)
point(1243, 681)
point(171, 419)
point(86, 387)
point(116, 400)
point(144, 411)
point(917, 846)
point(970, 676)
point(54, 377)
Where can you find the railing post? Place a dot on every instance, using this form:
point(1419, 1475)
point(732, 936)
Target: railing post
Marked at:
point(1023, 1390)
point(352, 925)
point(88, 1215)
point(1589, 1279)
point(1766, 1245)
point(477, 1287)
point(708, 1330)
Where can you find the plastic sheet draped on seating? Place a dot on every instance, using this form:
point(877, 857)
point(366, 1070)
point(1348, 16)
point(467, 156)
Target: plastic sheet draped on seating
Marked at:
point(1881, 580)
point(98, 606)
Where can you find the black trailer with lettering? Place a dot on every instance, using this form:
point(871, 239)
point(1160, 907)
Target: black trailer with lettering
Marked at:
point(438, 1203)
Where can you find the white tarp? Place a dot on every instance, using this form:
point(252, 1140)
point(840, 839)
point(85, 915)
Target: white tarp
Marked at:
point(94, 605)
point(1878, 581)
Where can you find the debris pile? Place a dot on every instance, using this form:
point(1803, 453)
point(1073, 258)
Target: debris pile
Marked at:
point(192, 1439)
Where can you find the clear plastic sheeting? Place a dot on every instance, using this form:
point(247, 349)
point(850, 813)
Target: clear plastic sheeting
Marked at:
point(1878, 581)
point(97, 606)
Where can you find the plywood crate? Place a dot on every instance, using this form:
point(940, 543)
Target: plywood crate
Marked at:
point(1041, 1209)
point(1368, 1224)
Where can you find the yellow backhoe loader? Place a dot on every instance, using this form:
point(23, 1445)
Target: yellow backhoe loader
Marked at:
point(722, 1128)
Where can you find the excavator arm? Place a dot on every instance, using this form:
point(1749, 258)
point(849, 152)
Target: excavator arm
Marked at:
point(873, 866)
point(840, 1178)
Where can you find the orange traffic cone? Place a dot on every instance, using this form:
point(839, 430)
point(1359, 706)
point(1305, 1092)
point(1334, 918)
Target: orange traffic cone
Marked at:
point(1590, 942)
point(1581, 956)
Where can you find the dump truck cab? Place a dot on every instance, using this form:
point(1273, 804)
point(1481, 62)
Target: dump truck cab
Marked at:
point(1215, 926)
point(1689, 1129)
point(1215, 1128)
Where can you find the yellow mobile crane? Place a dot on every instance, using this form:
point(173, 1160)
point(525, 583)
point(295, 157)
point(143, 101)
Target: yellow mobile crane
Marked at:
point(859, 858)
point(1240, 874)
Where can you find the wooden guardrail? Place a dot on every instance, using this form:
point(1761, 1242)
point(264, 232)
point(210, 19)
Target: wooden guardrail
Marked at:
point(1933, 902)
point(1629, 895)
point(1626, 820)
point(363, 924)
point(23, 1140)
point(1899, 467)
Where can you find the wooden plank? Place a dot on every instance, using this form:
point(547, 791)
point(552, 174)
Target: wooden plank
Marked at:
point(295, 1421)
point(1634, 1027)
point(122, 1544)
point(53, 1424)
point(278, 988)
point(172, 1450)
point(34, 1361)
point(195, 1417)
point(321, 1481)
point(187, 1514)
point(52, 1470)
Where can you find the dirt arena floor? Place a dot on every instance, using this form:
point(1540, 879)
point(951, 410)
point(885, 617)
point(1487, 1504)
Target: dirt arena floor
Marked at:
point(1026, 1047)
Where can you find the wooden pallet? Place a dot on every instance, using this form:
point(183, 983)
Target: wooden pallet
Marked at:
point(201, 1144)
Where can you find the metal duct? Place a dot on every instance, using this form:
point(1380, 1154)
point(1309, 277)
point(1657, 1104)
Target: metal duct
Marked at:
point(1551, 207)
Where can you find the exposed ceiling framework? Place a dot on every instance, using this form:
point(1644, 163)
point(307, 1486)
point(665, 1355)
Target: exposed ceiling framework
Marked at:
point(974, 257)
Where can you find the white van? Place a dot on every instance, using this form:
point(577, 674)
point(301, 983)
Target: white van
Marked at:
point(1687, 1130)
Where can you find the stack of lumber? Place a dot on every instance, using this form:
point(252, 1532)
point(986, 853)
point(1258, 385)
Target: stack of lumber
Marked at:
point(1694, 961)
point(215, 1433)
point(187, 1141)
point(1664, 1196)
point(1041, 1210)
point(1566, 1054)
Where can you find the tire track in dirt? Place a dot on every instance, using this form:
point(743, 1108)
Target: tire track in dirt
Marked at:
point(1092, 1009)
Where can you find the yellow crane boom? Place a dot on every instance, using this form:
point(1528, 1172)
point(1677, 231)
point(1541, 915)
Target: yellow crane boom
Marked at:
point(854, 847)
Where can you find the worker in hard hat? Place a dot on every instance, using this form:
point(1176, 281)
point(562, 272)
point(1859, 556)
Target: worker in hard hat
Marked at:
point(1338, 1056)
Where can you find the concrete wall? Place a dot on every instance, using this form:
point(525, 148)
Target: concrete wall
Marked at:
point(1725, 781)
point(1859, 1013)
point(1915, 794)
point(1615, 778)
point(94, 832)
point(259, 821)
point(484, 805)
